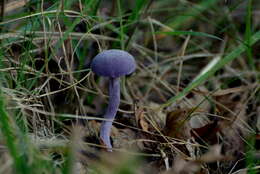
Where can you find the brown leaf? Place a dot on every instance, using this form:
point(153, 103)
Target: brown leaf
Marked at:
point(258, 137)
point(207, 133)
point(142, 122)
point(177, 124)
point(140, 119)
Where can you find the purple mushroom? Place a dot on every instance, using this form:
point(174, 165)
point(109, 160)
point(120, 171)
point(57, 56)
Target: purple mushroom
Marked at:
point(113, 64)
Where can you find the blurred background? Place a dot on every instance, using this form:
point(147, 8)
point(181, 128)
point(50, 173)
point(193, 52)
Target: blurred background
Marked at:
point(192, 106)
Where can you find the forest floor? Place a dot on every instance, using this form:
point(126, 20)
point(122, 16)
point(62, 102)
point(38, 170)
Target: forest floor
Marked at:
point(191, 106)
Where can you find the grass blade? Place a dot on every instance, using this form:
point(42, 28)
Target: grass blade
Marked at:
point(203, 77)
point(191, 33)
point(191, 13)
point(9, 135)
point(248, 34)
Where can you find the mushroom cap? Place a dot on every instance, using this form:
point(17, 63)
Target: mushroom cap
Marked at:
point(113, 63)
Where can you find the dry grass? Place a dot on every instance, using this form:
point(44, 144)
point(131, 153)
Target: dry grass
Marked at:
point(192, 106)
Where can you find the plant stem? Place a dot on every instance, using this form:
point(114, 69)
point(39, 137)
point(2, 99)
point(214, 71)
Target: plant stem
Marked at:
point(114, 100)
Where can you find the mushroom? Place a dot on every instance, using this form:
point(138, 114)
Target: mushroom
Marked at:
point(112, 63)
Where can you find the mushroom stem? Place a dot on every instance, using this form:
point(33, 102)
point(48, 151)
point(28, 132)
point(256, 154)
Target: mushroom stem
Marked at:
point(114, 100)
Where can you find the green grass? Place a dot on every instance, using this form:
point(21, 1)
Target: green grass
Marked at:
point(206, 75)
point(47, 89)
point(248, 35)
point(251, 160)
point(9, 133)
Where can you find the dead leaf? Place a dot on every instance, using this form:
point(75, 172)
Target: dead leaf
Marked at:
point(143, 123)
point(207, 133)
point(140, 118)
point(198, 121)
point(177, 125)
